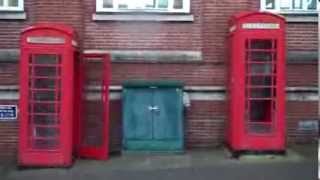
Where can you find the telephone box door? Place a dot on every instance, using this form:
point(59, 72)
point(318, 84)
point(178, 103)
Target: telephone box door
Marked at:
point(94, 106)
point(44, 97)
point(261, 59)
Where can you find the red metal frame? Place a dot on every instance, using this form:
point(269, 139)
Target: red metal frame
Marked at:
point(46, 39)
point(240, 134)
point(100, 152)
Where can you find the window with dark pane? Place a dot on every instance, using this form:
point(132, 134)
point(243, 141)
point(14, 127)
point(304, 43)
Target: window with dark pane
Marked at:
point(108, 3)
point(178, 4)
point(162, 3)
point(13, 3)
point(312, 4)
point(297, 4)
point(270, 4)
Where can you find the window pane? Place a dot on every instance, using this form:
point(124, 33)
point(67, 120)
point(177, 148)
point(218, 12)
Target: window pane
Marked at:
point(312, 4)
point(107, 3)
point(270, 4)
point(123, 4)
point(178, 4)
point(162, 3)
point(1, 2)
point(13, 3)
point(285, 4)
point(297, 4)
point(136, 4)
point(150, 3)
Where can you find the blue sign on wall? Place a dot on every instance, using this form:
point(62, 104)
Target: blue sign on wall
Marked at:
point(8, 112)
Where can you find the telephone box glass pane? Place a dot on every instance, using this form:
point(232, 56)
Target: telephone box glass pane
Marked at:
point(92, 118)
point(44, 101)
point(260, 92)
point(45, 119)
point(261, 83)
point(47, 71)
point(261, 69)
point(45, 83)
point(260, 80)
point(260, 116)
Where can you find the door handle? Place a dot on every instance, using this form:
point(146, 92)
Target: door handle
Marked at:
point(153, 108)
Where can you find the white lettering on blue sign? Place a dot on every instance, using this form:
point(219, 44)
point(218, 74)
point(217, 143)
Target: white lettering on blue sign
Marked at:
point(8, 112)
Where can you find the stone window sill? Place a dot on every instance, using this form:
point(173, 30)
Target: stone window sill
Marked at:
point(143, 17)
point(13, 15)
point(301, 18)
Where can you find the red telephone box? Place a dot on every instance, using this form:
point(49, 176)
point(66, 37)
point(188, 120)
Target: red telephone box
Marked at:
point(93, 106)
point(56, 117)
point(256, 89)
point(48, 54)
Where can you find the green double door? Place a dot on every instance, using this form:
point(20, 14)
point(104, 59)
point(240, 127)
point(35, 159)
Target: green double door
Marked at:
point(153, 119)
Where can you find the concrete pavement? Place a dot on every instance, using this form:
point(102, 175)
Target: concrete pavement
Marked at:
point(298, 164)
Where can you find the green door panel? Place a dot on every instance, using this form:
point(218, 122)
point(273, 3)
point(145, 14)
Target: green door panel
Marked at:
point(167, 119)
point(153, 116)
point(137, 117)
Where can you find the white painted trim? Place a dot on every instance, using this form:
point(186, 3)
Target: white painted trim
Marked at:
point(292, 89)
point(115, 94)
point(170, 9)
point(186, 88)
point(9, 87)
point(277, 8)
point(204, 88)
point(9, 95)
point(143, 17)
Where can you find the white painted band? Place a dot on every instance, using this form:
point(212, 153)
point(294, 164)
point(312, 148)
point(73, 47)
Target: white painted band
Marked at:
point(194, 96)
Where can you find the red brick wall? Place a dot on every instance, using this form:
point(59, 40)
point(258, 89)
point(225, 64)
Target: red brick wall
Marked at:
point(205, 119)
point(300, 111)
point(142, 35)
point(302, 36)
point(302, 75)
point(9, 74)
point(214, 26)
point(191, 74)
point(205, 124)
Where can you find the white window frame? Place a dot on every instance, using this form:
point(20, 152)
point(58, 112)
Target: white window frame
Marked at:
point(6, 6)
point(277, 8)
point(170, 9)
